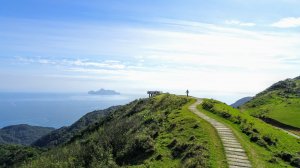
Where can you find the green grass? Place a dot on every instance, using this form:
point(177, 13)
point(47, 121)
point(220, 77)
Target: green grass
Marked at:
point(280, 102)
point(286, 111)
point(155, 132)
point(260, 153)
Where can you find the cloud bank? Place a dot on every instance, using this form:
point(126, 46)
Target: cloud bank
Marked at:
point(289, 22)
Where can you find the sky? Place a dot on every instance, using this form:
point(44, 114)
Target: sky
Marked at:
point(216, 48)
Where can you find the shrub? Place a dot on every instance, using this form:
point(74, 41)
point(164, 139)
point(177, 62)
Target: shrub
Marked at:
point(140, 147)
point(179, 149)
point(269, 140)
point(285, 156)
point(296, 162)
point(254, 138)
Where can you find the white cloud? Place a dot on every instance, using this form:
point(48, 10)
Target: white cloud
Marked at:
point(179, 55)
point(107, 64)
point(239, 23)
point(288, 22)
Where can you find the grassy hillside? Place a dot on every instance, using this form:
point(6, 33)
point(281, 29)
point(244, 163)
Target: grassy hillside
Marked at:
point(22, 134)
point(280, 102)
point(64, 134)
point(266, 146)
point(154, 132)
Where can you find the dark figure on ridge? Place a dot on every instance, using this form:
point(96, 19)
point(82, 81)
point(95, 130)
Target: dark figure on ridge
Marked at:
point(187, 93)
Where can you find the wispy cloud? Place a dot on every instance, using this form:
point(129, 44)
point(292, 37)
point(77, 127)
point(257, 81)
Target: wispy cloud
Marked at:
point(106, 64)
point(289, 22)
point(239, 23)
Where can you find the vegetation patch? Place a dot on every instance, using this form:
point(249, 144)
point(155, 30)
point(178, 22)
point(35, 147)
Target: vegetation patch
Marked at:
point(16, 155)
point(155, 132)
point(273, 142)
point(280, 104)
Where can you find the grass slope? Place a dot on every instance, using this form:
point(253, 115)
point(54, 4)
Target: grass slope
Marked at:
point(154, 132)
point(280, 102)
point(265, 145)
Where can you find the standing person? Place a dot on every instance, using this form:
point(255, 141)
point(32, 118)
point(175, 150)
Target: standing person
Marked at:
point(187, 93)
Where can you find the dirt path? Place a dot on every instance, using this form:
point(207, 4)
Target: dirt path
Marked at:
point(235, 154)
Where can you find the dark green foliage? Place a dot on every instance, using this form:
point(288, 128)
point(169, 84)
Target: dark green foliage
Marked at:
point(296, 162)
point(136, 151)
point(191, 155)
point(273, 160)
point(285, 156)
point(15, 155)
point(287, 85)
point(172, 144)
point(65, 134)
point(22, 134)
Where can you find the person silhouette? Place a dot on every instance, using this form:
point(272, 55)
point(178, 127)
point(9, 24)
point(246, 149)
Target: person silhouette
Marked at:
point(187, 93)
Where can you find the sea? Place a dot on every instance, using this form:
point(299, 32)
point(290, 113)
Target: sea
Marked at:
point(53, 109)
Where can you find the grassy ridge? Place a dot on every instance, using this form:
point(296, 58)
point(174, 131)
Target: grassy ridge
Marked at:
point(155, 132)
point(280, 102)
point(266, 146)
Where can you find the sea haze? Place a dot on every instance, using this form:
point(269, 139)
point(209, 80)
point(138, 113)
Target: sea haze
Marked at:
point(53, 109)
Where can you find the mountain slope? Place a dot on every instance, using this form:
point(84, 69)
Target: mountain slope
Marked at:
point(22, 134)
point(64, 134)
point(280, 102)
point(153, 132)
point(241, 102)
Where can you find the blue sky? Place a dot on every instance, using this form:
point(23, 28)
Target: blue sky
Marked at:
point(232, 47)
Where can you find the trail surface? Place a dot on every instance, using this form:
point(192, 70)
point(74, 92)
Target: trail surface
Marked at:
point(235, 154)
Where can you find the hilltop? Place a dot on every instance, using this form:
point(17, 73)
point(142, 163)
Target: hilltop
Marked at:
point(22, 134)
point(278, 104)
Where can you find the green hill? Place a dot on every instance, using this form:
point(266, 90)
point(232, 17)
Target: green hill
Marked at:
point(154, 132)
point(22, 134)
point(279, 103)
point(64, 134)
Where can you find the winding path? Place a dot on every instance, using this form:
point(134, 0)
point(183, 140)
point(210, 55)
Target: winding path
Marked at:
point(235, 154)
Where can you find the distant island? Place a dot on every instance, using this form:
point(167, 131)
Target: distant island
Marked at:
point(103, 92)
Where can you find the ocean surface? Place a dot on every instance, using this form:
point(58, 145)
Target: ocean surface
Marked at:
point(53, 109)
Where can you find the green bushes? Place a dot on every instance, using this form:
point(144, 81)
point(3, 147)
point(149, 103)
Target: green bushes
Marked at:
point(135, 151)
point(15, 155)
point(190, 154)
